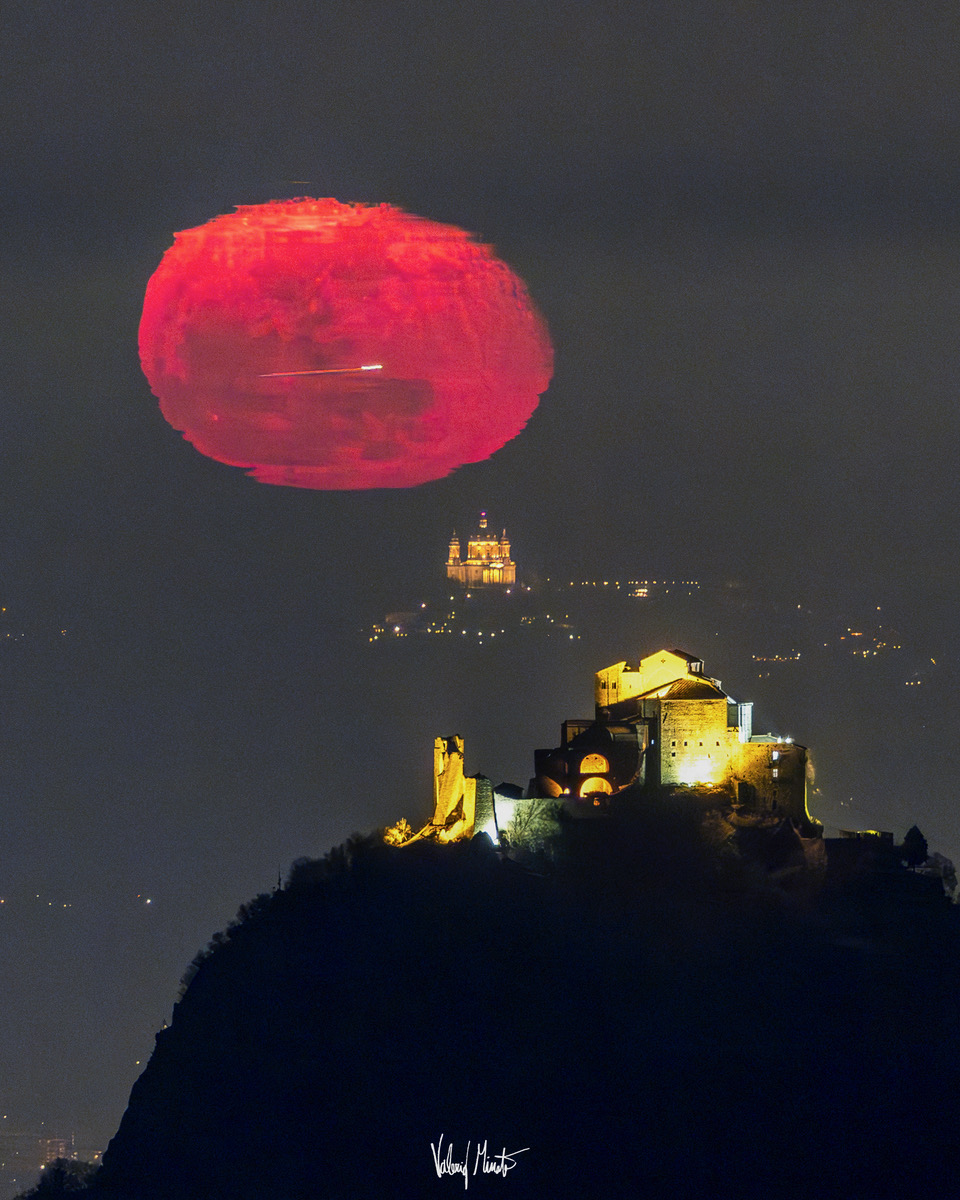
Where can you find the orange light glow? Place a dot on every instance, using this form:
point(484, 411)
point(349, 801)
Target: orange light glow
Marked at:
point(590, 787)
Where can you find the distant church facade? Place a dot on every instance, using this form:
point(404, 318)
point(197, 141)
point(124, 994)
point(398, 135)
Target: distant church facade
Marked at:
point(487, 562)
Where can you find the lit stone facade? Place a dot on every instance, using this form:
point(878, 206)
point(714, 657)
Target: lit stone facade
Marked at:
point(462, 804)
point(487, 562)
point(663, 723)
point(659, 724)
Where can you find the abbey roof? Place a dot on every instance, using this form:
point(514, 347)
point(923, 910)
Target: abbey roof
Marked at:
point(694, 689)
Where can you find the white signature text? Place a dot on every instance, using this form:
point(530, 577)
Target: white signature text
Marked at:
point(483, 1162)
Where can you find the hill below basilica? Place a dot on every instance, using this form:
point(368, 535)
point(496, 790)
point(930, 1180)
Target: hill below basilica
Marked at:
point(676, 1005)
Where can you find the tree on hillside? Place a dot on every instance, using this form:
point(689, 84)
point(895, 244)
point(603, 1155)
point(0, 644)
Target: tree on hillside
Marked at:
point(914, 848)
point(62, 1177)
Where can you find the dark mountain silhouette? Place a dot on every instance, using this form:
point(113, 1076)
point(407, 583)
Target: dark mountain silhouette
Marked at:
point(674, 1007)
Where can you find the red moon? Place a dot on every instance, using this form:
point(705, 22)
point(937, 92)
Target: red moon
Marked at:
point(328, 345)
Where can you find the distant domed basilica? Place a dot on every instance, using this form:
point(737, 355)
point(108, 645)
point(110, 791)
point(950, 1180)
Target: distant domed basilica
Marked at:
point(487, 562)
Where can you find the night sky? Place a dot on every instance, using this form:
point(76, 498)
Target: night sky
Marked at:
point(741, 223)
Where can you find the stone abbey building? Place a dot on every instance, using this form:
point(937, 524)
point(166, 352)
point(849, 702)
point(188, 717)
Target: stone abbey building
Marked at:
point(664, 723)
point(661, 724)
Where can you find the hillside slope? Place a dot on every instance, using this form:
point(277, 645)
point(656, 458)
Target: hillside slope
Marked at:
point(646, 1018)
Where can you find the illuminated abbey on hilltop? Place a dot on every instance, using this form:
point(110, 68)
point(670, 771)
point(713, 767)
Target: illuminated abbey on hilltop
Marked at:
point(487, 562)
point(659, 724)
point(663, 723)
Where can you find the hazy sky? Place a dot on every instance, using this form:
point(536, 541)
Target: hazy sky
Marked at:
point(741, 223)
